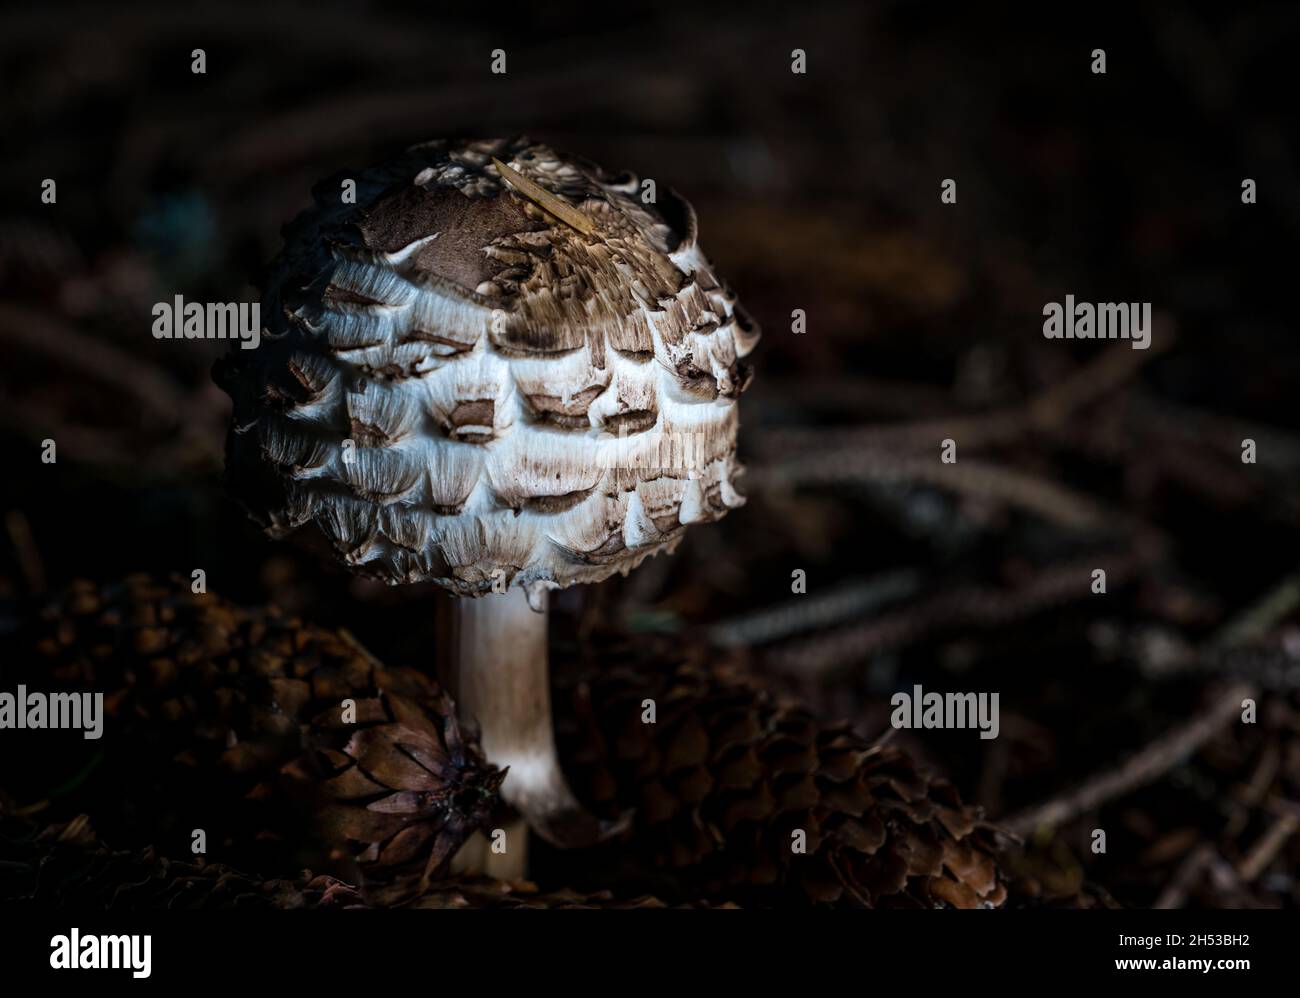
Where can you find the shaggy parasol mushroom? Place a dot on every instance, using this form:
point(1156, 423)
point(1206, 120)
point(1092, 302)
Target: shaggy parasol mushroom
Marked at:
point(499, 371)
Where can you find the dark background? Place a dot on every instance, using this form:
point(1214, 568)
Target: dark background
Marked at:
point(816, 191)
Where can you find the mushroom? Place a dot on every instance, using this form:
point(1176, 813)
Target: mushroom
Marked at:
point(500, 370)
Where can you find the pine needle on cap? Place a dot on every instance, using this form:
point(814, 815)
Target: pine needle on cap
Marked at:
point(552, 203)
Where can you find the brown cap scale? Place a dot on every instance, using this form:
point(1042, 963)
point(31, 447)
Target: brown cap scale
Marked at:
point(498, 369)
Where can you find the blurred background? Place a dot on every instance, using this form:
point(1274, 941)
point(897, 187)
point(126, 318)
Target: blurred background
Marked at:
point(817, 192)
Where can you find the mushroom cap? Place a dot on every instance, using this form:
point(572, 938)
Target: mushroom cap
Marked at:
point(456, 385)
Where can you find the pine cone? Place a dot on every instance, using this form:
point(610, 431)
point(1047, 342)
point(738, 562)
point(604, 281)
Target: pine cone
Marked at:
point(231, 720)
point(726, 776)
point(462, 380)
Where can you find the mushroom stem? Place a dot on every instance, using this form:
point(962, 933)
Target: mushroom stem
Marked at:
point(498, 675)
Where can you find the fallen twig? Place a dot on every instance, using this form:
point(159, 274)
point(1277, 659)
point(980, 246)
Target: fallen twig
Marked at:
point(1049, 409)
point(1257, 860)
point(814, 611)
point(1145, 767)
point(42, 332)
point(983, 479)
point(1193, 865)
point(1176, 744)
point(28, 554)
point(968, 605)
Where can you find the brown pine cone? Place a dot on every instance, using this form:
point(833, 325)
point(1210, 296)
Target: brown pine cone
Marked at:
point(231, 720)
point(728, 775)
